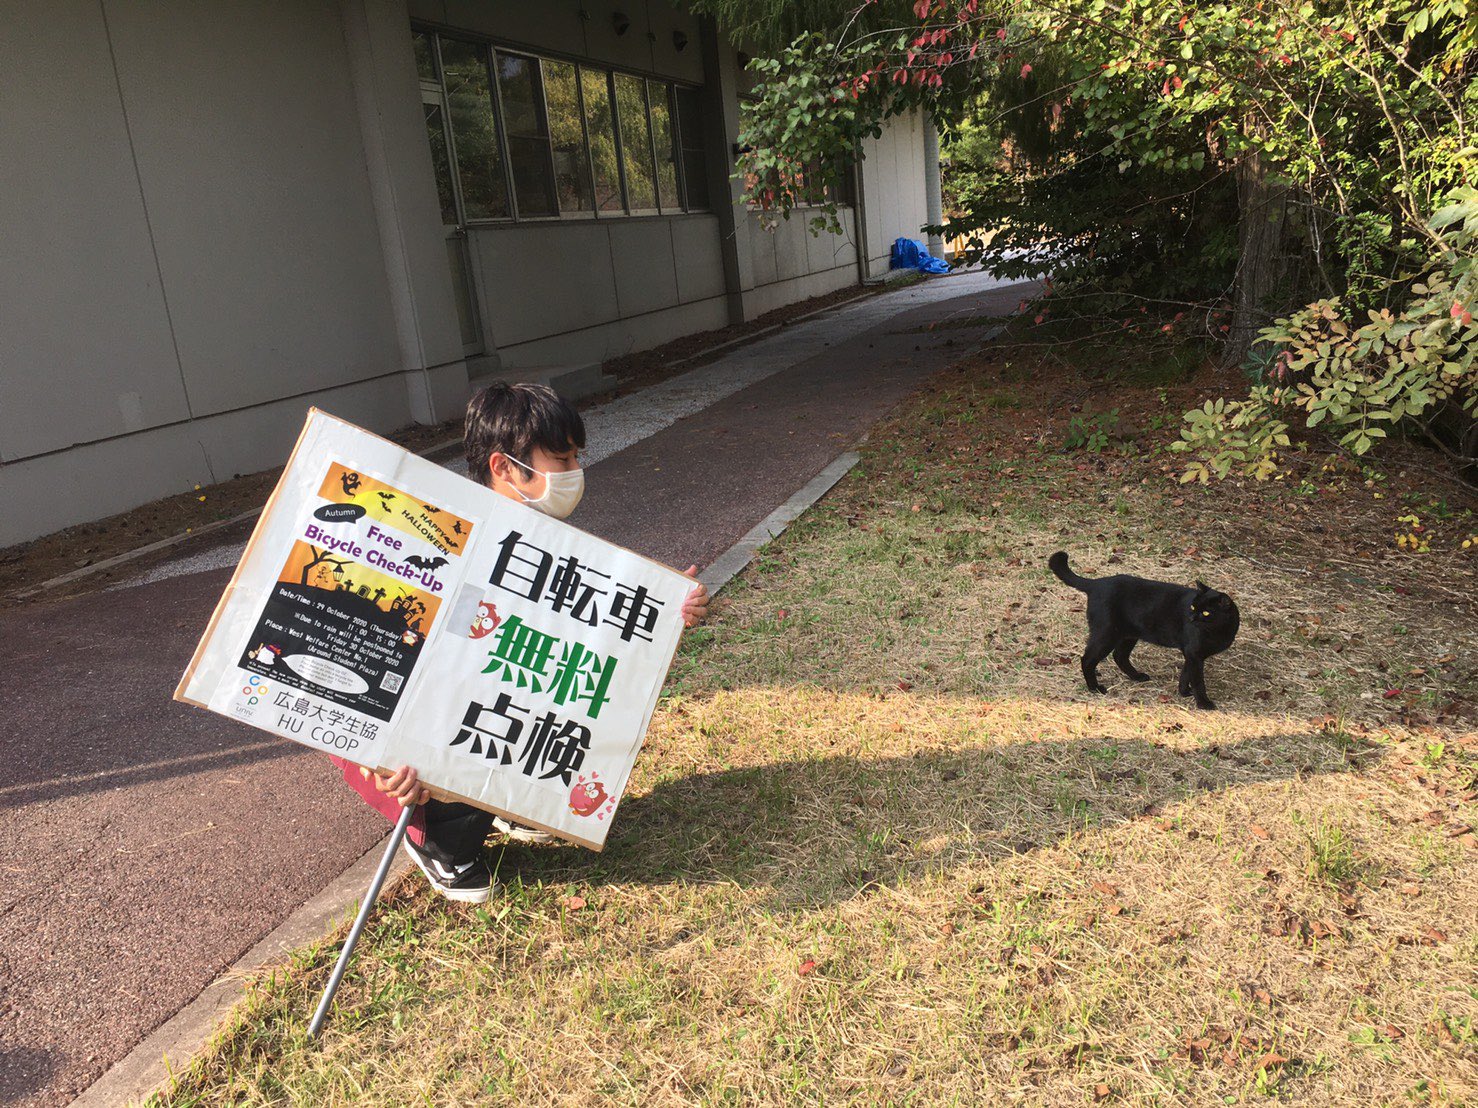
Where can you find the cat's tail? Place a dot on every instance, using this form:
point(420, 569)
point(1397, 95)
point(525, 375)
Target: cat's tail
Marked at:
point(1058, 565)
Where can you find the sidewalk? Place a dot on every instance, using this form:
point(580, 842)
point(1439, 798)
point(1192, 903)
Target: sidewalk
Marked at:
point(147, 845)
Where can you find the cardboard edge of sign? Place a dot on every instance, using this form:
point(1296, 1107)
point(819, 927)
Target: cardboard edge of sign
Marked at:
point(181, 692)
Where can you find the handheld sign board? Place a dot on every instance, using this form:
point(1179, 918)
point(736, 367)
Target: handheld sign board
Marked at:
point(394, 613)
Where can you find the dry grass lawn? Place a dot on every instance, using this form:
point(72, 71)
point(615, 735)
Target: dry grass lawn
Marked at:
point(883, 848)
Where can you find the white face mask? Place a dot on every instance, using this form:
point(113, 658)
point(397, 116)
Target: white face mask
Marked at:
point(562, 491)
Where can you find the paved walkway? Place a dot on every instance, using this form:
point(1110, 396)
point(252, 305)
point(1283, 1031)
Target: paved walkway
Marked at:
point(146, 845)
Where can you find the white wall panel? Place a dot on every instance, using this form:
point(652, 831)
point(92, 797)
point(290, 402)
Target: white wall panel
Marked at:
point(551, 24)
point(103, 478)
point(248, 143)
point(539, 279)
point(790, 248)
point(827, 251)
point(85, 348)
point(685, 64)
point(645, 268)
point(761, 250)
point(632, 50)
point(699, 257)
point(894, 187)
point(619, 336)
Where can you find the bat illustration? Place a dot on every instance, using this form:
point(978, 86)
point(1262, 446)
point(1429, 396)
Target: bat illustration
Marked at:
point(430, 510)
point(385, 498)
point(350, 481)
point(425, 563)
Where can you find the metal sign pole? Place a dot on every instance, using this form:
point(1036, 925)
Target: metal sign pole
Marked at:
point(364, 910)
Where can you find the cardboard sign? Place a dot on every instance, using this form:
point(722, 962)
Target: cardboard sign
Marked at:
point(394, 613)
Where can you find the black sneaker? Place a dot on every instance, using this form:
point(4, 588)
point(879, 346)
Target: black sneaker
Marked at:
point(471, 882)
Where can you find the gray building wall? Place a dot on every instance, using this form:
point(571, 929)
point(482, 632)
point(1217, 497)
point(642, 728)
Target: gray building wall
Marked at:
point(586, 290)
point(894, 195)
point(192, 254)
point(790, 263)
point(216, 218)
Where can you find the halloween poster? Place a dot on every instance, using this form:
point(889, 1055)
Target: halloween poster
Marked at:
point(393, 613)
point(336, 627)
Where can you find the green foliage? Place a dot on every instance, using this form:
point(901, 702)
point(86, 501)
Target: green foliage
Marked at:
point(798, 124)
point(1032, 189)
point(1357, 380)
point(1334, 857)
point(1266, 153)
point(1091, 432)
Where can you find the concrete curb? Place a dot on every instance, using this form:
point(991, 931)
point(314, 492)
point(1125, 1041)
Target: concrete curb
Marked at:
point(171, 1046)
point(130, 555)
point(729, 564)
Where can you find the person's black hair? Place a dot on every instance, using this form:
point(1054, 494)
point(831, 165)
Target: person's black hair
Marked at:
point(512, 419)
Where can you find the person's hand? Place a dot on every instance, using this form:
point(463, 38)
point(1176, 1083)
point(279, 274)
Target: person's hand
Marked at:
point(402, 785)
point(695, 607)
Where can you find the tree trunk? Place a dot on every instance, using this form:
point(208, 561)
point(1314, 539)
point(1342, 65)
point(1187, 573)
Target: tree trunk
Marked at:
point(1262, 206)
point(318, 556)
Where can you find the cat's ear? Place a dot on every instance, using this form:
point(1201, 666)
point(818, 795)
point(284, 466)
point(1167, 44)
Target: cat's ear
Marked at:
point(1202, 587)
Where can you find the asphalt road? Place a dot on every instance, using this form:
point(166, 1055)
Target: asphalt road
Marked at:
point(147, 845)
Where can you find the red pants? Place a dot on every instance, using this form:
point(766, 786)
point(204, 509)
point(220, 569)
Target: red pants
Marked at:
point(451, 832)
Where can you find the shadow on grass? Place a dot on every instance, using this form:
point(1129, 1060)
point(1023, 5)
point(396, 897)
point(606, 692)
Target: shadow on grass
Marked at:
point(823, 830)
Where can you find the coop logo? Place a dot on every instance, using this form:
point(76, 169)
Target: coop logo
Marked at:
point(254, 689)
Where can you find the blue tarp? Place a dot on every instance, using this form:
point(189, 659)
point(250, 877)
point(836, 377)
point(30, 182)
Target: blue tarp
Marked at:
point(913, 254)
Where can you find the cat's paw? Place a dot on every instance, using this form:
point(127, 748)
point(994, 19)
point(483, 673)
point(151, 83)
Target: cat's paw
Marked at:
point(1137, 676)
point(1205, 704)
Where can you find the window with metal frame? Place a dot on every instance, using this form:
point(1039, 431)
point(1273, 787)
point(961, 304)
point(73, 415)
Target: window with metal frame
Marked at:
point(664, 144)
point(690, 143)
point(526, 130)
point(600, 127)
point(573, 184)
point(533, 137)
point(634, 129)
point(476, 146)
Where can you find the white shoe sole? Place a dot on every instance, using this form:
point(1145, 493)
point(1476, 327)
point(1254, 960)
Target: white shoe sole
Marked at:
point(520, 834)
point(461, 896)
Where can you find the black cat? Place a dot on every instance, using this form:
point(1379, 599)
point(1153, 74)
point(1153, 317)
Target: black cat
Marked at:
point(1122, 610)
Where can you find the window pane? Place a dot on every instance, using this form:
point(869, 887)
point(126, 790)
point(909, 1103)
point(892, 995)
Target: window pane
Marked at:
point(839, 187)
point(598, 121)
point(690, 116)
point(425, 56)
point(571, 163)
point(441, 161)
point(695, 178)
point(527, 130)
point(518, 85)
point(636, 142)
point(479, 160)
point(658, 96)
point(690, 136)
